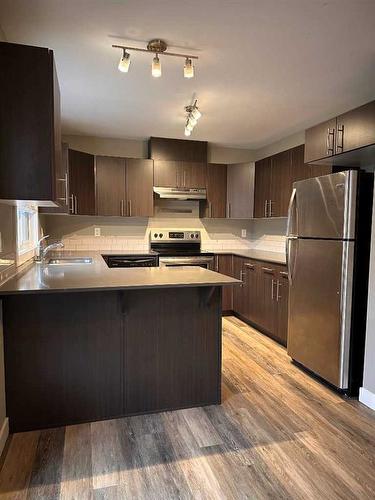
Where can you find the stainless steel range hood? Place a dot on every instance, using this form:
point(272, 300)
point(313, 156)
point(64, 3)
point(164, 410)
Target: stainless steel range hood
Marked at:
point(181, 193)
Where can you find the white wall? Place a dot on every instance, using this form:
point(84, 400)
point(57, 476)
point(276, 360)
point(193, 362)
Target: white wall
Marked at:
point(282, 145)
point(367, 394)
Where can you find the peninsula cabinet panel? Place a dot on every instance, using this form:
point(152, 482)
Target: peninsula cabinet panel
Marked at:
point(139, 187)
point(216, 191)
point(320, 141)
point(30, 134)
point(110, 186)
point(81, 183)
point(240, 191)
point(263, 175)
point(165, 173)
point(161, 148)
point(356, 128)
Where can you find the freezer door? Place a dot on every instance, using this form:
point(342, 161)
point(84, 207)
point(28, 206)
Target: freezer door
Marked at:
point(320, 296)
point(324, 207)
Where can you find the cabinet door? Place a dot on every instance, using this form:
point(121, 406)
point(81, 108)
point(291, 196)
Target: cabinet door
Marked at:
point(239, 303)
point(216, 191)
point(139, 184)
point(224, 265)
point(320, 141)
point(267, 301)
point(62, 180)
point(110, 186)
point(356, 128)
point(251, 290)
point(281, 184)
point(165, 173)
point(193, 175)
point(302, 170)
point(240, 191)
point(282, 296)
point(262, 187)
point(82, 183)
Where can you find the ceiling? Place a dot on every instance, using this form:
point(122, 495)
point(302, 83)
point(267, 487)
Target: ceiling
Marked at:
point(266, 69)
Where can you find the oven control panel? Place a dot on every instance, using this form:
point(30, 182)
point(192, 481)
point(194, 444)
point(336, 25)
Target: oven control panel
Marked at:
point(172, 235)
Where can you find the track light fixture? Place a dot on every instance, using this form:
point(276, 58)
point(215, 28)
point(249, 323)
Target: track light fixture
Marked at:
point(192, 116)
point(157, 47)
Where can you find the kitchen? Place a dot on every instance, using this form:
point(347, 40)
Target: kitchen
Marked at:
point(185, 314)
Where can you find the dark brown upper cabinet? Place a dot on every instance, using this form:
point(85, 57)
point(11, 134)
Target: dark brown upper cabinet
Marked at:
point(183, 174)
point(139, 187)
point(124, 187)
point(240, 191)
point(110, 186)
point(215, 207)
point(262, 187)
point(177, 149)
point(335, 141)
point(81, 183)
point(302, 170)
point(30, 134)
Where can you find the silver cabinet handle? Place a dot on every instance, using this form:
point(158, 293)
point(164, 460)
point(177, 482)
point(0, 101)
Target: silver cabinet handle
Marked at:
point(268, 270)
point(241, 277)
point(216, 263)
point(130, 208)
point(270, 214)
point(265, 208)
point(71, 205)
point(66, 190)
point(249, 266)
point(284, 273)
point(228, 210)
point(330, 134)
point(210, 208)
point(122, 208)
point(76, 205)
point(272, 288)
point(340, 139)
point(184, 178)
point(278, 296)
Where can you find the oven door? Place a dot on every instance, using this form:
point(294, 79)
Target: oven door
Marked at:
point(201, 261)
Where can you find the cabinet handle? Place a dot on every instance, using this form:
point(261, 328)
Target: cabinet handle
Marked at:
point(249, 266)
point(268, 270)
point(277, 291)
point(76, 203)
point(130, 208)
point(71, 208)
point(241, 277)
point(284, 273)
point(228, 210)
point(330, 133)
point(210, 208)
point(340, 139)
point(265, 208)
point(216, 263)
point(184, 178)
point(270, 214)
point(122, 208)
point(66, 190)
point(272, 288)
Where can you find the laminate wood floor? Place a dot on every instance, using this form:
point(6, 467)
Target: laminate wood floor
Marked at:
point(278, 434)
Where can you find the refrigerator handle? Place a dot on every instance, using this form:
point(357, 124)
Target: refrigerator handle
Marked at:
point(290, 211)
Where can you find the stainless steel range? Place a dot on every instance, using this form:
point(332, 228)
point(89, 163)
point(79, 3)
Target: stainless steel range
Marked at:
point(180, 248)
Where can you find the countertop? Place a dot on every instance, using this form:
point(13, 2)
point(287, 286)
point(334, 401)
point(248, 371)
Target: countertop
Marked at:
point(275, 257)
point(38, 278)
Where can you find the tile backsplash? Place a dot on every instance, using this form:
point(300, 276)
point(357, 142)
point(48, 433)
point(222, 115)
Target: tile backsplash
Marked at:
point(77, 233)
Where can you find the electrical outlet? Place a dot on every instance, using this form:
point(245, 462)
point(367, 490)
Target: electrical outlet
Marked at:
point(97, 231)
point(243, 233)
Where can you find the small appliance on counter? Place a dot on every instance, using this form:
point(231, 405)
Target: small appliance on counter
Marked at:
point(138, 260)
point(180, 248)
point(328, 246)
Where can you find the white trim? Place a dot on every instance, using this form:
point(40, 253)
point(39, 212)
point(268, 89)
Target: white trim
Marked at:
point(4, 433)
point(367, 398)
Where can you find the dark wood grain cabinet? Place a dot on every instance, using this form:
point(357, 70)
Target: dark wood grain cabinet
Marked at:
point(224, 265)
point(263, 171)
point(30, 133)
point(162, 148)
point(124, 187)
point(262, 299)
point(81, 183)
point(216, 206)
point(347, 132)
point(182, 174)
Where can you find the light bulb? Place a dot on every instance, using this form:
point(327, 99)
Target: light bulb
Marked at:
point(187, 132)
point(196, 113)
point(189, 126)
point(192, 120)
point(188, 68)
point(124, 63)
point(156, 67)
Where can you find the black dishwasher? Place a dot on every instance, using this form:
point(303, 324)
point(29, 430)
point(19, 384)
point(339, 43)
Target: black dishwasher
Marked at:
point(140, 260)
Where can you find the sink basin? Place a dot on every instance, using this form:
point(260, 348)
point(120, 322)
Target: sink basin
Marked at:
point(64, 261)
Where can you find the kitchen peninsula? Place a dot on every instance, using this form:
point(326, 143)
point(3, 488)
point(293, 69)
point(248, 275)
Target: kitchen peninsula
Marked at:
point(94, 343)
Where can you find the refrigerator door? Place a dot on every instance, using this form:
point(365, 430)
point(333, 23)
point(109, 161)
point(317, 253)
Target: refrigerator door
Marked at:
point(320, 273)
point(324, 207)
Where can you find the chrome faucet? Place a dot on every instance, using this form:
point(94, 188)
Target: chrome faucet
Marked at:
point(42, 250)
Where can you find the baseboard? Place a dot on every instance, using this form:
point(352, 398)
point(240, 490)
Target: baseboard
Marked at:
point(367, 398)
point(4, 433)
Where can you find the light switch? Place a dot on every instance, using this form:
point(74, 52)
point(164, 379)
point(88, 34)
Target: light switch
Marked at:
point(97, 231)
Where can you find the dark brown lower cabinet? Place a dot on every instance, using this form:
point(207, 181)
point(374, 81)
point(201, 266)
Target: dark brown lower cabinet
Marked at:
point(262, 299)
point(224, 265)
point(84, 356)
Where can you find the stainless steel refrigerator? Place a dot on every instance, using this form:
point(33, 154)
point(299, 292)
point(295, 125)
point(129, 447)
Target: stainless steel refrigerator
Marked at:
point(322, 250)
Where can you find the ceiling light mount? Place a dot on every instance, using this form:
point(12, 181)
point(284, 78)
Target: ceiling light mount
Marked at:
point(157, 45)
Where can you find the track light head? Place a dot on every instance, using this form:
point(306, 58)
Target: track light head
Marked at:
point(188, 68)
point(124, 63)
point(156, 67)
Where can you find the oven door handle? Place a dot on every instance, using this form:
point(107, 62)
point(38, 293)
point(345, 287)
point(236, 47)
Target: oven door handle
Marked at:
point(175, 261)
